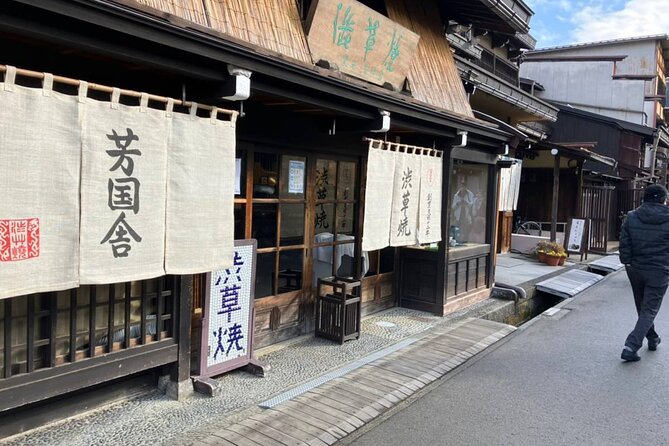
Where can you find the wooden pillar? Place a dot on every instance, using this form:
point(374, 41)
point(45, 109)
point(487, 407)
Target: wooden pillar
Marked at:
point(442, 264)
point(493, 201)
point(556, 194)
point(579, 190)
point(183, 312)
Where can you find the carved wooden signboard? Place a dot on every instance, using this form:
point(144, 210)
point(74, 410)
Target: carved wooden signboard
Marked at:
point(361, 42)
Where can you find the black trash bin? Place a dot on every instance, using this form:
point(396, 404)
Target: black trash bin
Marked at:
point(338, 311)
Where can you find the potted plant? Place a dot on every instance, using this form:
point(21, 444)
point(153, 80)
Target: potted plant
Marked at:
point(563, 255)
point(541, 249)
point(552, 257)
point(555, 254)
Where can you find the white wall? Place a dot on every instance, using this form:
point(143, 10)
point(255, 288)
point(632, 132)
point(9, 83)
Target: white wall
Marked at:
point(588, 86)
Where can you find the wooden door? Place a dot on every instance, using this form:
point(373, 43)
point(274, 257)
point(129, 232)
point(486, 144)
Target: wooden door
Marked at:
point(596, 205)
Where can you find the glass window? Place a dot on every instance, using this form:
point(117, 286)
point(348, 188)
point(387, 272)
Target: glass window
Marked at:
point(469, 186)
point(265, 274)
point(345, 212)
point(265, 175)
point(326, 174)
point(278, 213)
point(240, 220)
point(324, 219)
point(264, 224)
point(346, 181)
point(290, 270)
point(240, 174)
point(292, 224)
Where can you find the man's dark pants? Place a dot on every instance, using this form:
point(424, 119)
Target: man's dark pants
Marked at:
point(648, 300)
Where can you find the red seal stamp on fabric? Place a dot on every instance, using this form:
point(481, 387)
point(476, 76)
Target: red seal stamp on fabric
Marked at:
point(19, 239)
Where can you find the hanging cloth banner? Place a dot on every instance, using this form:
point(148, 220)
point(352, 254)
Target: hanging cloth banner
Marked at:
point(200, 193)
point(406, 194)
point(39, 182)
point(378, 199)
point(509, 187)
point(516, 171)
point(123, 181)
point(429, 218)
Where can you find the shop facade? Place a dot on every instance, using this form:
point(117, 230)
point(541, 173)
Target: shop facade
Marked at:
point(300, 181)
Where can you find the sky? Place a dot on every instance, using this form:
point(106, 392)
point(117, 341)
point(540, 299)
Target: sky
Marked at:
point(566, 22)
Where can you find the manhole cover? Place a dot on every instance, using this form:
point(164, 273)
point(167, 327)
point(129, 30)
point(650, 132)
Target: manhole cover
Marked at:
point(386, 324)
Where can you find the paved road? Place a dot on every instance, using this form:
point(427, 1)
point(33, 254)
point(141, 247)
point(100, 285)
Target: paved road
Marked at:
point(557, 381)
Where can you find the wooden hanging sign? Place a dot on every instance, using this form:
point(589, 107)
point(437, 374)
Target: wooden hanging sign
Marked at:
point(359, 41)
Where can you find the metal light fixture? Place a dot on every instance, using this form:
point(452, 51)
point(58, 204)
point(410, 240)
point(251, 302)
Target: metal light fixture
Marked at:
point(382, 123)
point(238, 87)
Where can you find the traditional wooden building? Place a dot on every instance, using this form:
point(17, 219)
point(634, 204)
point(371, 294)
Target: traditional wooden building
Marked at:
point(488, 39)
point(299, 180)
point(607, 189)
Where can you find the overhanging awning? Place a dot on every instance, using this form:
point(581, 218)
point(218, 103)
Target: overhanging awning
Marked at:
point(579, 150)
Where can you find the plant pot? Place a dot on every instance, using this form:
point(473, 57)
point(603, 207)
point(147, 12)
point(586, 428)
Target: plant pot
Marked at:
point(561, 261)
point(552, 260)
point(541, 256)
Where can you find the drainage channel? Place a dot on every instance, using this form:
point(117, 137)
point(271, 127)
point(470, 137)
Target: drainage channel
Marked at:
point(551, 292)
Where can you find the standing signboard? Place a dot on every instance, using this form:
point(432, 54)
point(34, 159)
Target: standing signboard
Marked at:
point(227, 328)
point(576, 238)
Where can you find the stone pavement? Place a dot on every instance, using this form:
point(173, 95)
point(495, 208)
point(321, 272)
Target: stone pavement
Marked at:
point(329, 412)
point(155, 419)
point(558, 380)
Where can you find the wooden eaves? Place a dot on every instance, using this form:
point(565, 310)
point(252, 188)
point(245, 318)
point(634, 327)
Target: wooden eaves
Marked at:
point(89, 24)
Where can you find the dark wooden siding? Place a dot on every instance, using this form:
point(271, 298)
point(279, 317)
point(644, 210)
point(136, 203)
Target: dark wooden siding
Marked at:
point(534, 203)
point(569, 128)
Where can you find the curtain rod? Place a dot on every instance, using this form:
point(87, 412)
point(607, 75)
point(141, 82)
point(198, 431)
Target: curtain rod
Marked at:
point(430, 152)
point(106, 89)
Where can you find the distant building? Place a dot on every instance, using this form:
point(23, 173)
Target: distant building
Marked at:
point(611, 97)
point(624, 79)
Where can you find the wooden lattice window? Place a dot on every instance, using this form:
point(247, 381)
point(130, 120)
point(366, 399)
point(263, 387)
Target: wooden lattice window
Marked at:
point(50, 329)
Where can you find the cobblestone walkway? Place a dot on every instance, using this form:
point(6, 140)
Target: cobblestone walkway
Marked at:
point(329, 412)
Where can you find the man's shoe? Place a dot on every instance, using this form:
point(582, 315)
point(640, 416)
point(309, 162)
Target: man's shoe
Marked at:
point(629, 356)
point(653, 343)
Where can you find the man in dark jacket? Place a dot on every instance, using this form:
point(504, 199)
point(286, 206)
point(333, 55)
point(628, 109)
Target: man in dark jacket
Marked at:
point(644, 249)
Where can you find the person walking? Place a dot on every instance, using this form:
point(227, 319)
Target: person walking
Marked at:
point(644, 250)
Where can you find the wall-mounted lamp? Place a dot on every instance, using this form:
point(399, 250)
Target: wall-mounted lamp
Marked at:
point(382, 122)
point(238, 86)
point(554, 152)
point(463, 139)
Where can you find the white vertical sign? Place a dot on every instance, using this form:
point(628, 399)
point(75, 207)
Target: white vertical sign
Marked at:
point(229, 309)
point(429, 219)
